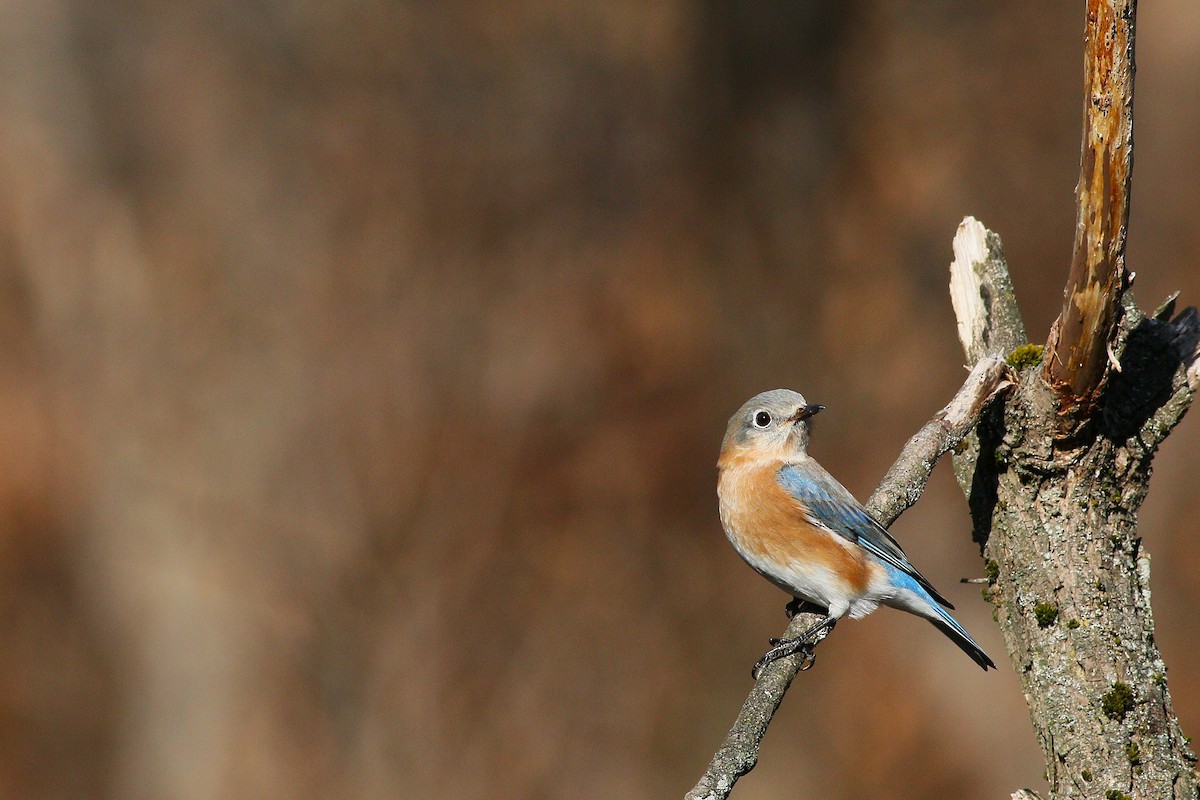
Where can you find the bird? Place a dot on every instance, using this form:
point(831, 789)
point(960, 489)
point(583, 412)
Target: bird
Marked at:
point(803, 531)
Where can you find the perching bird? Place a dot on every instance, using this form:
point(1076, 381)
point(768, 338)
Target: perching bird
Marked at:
point(803, 531)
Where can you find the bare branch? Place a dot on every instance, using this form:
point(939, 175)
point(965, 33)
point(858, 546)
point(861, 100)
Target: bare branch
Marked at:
point(905, 481)
point(1077, 362)
point(899, 489)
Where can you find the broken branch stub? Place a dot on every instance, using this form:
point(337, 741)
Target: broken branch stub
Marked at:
point(1077, 361)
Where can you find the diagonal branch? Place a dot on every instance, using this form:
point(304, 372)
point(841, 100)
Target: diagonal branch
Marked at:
point(900, 488)
point(1080, 340)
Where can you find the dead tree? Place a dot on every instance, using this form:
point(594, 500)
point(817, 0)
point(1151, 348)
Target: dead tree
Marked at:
point(1053, 449)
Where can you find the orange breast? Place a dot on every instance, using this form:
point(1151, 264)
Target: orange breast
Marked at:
point(769, 523)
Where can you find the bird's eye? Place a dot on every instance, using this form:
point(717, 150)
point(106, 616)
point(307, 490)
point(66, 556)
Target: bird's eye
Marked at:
point(762, 419)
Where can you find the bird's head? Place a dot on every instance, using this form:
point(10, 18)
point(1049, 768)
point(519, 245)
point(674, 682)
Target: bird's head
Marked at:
point(775, 422)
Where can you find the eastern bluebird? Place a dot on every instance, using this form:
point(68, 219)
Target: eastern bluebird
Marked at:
point(803, 531)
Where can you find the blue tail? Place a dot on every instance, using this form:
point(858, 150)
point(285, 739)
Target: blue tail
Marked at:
point(949, 626)
point(940, 617)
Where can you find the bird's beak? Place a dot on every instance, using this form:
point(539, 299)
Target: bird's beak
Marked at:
point(804, 412)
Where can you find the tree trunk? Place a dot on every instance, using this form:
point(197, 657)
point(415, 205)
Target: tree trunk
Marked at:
point(1057, 523)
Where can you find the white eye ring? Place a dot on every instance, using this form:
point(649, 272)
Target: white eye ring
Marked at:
point(762, 419)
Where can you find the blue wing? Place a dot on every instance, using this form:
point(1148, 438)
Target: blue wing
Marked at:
point(831, 506)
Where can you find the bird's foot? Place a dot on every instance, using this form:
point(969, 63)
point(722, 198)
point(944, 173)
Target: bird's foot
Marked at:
point(782, 648)
point(805, 642)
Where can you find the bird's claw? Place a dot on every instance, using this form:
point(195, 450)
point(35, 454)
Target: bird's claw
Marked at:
point(804, 643)
point(782, 648)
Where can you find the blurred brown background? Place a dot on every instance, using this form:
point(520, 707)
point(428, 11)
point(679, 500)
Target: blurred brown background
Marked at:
point(363, 369)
